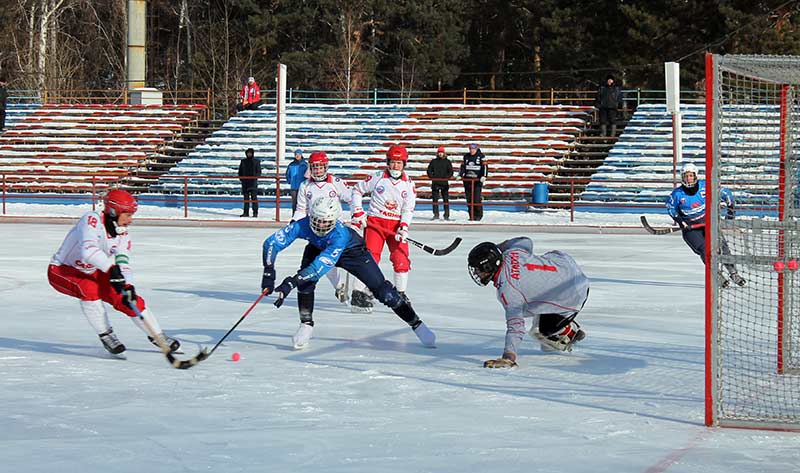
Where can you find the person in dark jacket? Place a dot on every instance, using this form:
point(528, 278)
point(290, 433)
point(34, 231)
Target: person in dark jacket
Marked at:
point(3, 98)
point(249, 167)
point(473, 172)
point(296, 175)
point(440, 170)
point(608, 101)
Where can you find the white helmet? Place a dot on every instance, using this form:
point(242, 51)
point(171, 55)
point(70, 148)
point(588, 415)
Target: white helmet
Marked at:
point(324, 213)
point(689, 168)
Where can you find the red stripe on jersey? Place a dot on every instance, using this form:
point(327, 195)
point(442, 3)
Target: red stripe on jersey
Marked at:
point(503, 296)
point(540, 267)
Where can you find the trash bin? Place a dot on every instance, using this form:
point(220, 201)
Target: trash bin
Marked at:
point(540, 193)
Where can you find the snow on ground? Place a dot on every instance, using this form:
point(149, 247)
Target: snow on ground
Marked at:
point(365, 396)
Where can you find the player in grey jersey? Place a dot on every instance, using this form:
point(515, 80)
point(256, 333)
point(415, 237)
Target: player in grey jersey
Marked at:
point(550, 289)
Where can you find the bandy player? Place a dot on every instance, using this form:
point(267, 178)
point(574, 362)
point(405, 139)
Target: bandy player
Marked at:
point(321, 183)
point(391, 209)
point(93, 265)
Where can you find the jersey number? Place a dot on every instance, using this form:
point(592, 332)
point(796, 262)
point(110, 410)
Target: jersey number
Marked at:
point(540, 267)
point(92, 221)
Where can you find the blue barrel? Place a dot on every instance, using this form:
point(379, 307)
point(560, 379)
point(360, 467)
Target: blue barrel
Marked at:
point(541, 193)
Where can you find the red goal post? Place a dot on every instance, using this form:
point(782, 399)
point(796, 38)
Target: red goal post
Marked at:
point(753, 332)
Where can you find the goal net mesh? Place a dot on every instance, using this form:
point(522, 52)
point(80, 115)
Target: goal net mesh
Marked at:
point(754, 330)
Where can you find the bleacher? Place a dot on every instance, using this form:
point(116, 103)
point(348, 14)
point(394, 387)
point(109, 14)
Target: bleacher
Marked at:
point(522, 143)
point(644, 153)
point(81, 147)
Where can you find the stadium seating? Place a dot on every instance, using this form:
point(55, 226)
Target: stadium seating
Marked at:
point(80, 147)
point(639, 169)
point(522, 143)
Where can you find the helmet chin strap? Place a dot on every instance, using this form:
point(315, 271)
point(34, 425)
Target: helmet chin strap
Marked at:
point(112, 227)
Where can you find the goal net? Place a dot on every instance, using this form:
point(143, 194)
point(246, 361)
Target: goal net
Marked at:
point(753, 332)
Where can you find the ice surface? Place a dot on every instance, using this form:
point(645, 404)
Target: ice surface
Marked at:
point(365, 396)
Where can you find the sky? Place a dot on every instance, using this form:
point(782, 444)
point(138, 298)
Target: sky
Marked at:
point(364, 396)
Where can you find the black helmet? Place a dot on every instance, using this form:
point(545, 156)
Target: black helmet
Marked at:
point(483, 262)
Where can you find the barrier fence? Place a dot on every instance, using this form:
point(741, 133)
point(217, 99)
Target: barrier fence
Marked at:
point(97, 184)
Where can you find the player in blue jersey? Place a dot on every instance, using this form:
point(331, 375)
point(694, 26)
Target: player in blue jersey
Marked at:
point(687, 207)
point(331, 243)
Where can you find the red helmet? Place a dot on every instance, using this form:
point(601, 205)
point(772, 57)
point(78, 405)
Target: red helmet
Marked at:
point(318, 165)
point(397, 153)
point(119, 201)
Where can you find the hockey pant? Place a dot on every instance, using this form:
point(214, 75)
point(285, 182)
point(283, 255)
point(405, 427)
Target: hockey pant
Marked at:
point(360, 263)
point(89, 287)
point(379, 231)
point(696, 239)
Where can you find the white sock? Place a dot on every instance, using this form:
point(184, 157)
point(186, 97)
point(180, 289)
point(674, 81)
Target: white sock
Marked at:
point(151, 320)
point(401, 281)
point(358, 285)
point(333, 276)
point(95, 313)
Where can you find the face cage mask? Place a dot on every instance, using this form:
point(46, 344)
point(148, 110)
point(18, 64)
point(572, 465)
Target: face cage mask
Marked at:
point(319, 171)
point(321, 227)
point(686, 184)
point(481, 279)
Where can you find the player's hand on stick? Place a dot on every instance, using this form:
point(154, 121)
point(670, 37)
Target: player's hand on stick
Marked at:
point(402, 233)
point(268, 279)
point(506, 361)
point(358, 220)
point(116, 278)
point(284, 289)
point(129, 295)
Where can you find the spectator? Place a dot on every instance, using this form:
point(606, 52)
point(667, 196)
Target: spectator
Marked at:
point(608, 101)
point(250, 96)
point(249, 171)
point(295, 176)
point(473, 173)
point(3, 98)
point(440, 170)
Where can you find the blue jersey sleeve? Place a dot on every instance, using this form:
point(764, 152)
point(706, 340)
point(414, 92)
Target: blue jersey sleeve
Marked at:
point(278, 241)
point(672, 204)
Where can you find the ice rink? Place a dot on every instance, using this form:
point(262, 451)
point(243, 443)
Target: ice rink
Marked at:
point(365, 396)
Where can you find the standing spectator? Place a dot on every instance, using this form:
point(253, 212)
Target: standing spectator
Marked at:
point(608, 101)
point(296, 175)
point(249, 171)
point(3, 98)
point(250, 96)
point(440, 170)
point(473, 173)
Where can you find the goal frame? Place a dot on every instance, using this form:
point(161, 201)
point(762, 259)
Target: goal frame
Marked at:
point(713, 65)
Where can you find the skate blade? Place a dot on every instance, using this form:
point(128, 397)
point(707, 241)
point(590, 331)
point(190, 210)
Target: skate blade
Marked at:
point(300, 346)
point(360, 310)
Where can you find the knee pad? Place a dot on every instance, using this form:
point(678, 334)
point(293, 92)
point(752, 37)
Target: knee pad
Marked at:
point(388, 295)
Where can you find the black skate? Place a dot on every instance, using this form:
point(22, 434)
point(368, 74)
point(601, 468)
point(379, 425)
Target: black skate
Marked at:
point(724, 283)
point(738, 280)
point(173, 344)
point(360, 302)
point(111, 343)
point(405, 297)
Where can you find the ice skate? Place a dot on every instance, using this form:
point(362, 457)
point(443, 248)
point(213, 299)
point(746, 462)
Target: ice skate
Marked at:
point(723, 281)
point(562, 341)
point(425, 335)
point(360, 302)
point(111, 342)
point(405, 297)
point(737, 279)
point(302, 336)
point(341, 293)
point(173, 344)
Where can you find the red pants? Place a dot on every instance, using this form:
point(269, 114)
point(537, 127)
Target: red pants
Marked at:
point(89, 287)
point(380, 230)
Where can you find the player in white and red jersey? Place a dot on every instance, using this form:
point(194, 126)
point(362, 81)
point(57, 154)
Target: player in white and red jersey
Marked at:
point(391, 209)
point(550, 289)
point(321, 183)
point(93, 265)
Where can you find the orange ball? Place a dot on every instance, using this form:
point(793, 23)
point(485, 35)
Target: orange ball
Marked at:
point(778, 266)
point(792, 265)
point(236, 356)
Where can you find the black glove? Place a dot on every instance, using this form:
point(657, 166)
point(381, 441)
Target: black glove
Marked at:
point(730, 214)
point(284, 289)
point(116, 278)
point(129, 295)
point(268, 279)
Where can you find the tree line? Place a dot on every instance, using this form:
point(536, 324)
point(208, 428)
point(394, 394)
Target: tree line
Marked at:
point(349, 45)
